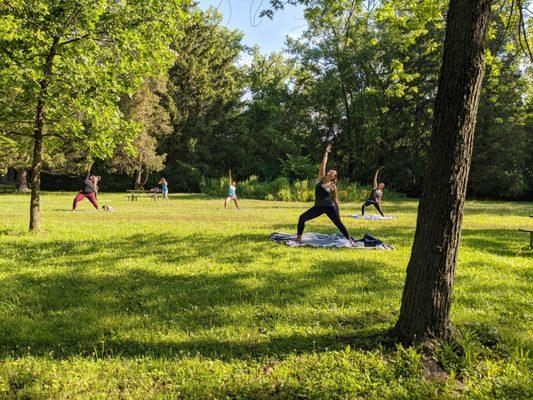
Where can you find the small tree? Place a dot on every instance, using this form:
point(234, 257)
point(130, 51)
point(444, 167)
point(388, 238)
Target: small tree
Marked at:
point(65, 64)
point(144, 109)
point(298, 168)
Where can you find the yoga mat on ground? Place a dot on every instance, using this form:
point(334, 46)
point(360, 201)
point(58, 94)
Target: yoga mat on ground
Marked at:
point(372, 217)
point(322, 240)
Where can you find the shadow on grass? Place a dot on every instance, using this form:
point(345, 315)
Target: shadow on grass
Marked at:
point(502, 242)
point(134, 312)
point(92, 298)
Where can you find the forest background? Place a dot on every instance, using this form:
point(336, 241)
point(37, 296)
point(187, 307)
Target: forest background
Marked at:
point(363, 75)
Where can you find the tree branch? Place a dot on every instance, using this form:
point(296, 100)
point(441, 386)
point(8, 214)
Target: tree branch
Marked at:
point(9, 132)
point(76, 39)
point(524, 32)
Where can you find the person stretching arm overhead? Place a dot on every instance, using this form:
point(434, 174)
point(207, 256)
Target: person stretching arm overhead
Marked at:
point(375, 195)
point(90, 188)
point(326, 200)
point(232, 192)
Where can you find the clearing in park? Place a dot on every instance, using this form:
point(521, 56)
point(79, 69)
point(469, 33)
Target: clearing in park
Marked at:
point(182, 299)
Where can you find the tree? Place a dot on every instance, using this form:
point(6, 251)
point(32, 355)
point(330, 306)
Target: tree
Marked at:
point(144, 108)
point(499, 159)
point(205, 86)
point(66, 64)
point(427, 294)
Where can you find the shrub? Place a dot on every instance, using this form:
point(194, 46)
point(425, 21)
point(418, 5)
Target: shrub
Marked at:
point(283, 190)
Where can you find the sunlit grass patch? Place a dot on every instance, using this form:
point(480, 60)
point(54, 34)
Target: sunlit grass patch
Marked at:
point(187, 300)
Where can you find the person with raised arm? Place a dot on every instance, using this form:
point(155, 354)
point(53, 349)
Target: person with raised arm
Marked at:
point(164, 188)
point(375, 196)
point(326, 200)
point(89, 191)
point(232, 192)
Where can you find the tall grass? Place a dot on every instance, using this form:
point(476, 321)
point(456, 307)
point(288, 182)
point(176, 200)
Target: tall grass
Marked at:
point(281, 189)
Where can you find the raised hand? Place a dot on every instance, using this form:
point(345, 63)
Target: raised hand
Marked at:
point(328, 148)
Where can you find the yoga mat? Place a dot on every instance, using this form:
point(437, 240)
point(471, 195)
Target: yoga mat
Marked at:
point(373, 217)
point(322, 240)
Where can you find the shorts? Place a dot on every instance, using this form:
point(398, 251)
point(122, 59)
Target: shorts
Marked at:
point(232, 196)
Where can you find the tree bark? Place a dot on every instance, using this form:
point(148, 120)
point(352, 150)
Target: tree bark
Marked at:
point(138, 173)
point(35, 212)
point(427, 295)
point(145, 180)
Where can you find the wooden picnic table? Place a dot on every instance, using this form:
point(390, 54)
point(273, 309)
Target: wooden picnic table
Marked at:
point(134, 194)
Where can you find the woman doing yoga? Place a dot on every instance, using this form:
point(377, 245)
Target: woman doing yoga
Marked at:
point(375, 195)
point(326, 200)
point(89, 191)
point(232, 192)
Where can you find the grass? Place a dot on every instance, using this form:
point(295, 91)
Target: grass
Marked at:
point(186, 300)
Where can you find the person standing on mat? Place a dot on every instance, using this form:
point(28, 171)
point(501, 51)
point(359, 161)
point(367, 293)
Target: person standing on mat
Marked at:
point(232, 192)
point(89, 191)
point(375, 195)
point(326, 200)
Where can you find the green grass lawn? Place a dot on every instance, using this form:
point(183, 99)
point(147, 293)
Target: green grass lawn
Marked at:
point(186, 300)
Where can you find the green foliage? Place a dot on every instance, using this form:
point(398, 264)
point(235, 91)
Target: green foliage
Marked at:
point(204, 88)
point(99, 50)
point(186, 300)
point(363, 75)
point(284, 189)
point(144, 108)
point(298, 167)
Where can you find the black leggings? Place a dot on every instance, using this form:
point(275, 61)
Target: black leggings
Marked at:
point(374, 203)
point(331, 211)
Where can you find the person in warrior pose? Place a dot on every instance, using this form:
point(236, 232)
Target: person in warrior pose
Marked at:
point(89, 191)
point(375, 195)
point(232, 192)
point(326, 200)
point(164, 188)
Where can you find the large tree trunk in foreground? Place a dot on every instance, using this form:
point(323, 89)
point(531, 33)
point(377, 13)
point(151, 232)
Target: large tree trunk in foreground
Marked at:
point(428, 288)
point(37, 164)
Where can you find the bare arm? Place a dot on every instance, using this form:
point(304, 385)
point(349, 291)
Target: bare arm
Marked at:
point(322, 171)
point(230, 176)
point(376, 178)
point(89, 171)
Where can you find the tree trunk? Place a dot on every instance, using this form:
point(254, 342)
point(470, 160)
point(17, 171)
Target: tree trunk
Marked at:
point(35, 212)
point(22, 177)
point(145, 180)
point(426, 300)
point(138, 178)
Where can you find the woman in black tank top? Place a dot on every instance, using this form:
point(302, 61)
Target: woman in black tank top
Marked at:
point(375, 195)
point(326, 200)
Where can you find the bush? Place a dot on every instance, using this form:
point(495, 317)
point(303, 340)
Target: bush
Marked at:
point(298, 167)
point(283, 190)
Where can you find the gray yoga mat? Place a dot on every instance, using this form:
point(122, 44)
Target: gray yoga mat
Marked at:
point(370, 217)
point(314, 239)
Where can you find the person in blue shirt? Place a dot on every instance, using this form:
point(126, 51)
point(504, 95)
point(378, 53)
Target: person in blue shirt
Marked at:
point(164, 188)
point(232, 192)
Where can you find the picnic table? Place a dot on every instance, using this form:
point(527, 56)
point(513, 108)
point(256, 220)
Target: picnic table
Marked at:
point(135, 193)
